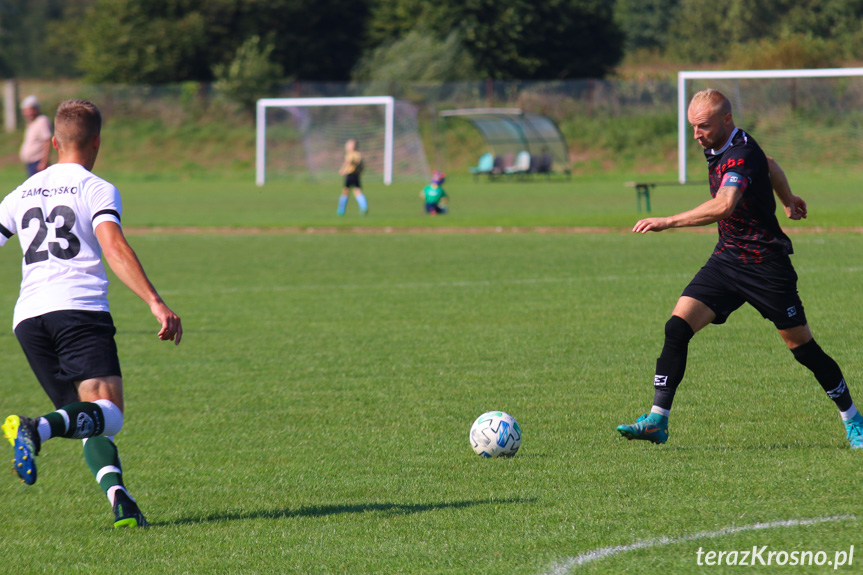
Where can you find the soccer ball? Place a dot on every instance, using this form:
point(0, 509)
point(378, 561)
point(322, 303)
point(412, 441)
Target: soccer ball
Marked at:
point(495, 434)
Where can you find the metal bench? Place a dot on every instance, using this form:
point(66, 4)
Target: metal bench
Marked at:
point(642, 190)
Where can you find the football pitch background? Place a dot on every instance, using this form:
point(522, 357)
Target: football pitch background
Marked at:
point(315, 417)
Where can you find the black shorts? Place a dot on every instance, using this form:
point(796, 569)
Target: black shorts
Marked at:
point(352, 180)
point(64, 347)
point(770, 287)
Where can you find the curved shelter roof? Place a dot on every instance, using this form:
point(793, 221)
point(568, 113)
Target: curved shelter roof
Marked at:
point(511, 130)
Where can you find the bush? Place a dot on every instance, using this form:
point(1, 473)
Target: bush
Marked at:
point(418, 56)
point(792, 52)
point(250, 75)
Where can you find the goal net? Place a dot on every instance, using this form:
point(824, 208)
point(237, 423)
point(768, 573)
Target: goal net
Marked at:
point(305, 137)
point(800, 117)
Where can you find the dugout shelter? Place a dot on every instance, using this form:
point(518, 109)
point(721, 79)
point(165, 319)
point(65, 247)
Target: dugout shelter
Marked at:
point(520, 142)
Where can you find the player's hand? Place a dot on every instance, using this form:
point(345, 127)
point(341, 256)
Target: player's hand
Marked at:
point(651, 225)
point(796, 210)
point(172, 327)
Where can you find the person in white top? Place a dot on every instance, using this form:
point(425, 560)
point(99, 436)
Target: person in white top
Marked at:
point(66, 218)
point(36, 147)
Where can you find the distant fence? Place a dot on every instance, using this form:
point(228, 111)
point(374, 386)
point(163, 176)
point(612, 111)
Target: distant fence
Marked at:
point(611, 108)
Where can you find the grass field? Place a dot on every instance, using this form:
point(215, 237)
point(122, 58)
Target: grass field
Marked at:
point(315, 417)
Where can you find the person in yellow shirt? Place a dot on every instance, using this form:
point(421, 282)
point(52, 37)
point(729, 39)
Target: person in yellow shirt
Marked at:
point(351, 170)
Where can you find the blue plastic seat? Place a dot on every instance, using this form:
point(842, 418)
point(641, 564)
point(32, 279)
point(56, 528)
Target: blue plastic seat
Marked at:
point(484, 166)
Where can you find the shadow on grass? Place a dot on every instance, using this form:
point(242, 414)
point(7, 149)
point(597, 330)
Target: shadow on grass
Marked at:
point(393, 509)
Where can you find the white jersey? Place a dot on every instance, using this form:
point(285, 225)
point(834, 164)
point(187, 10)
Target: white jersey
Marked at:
point(55, 214)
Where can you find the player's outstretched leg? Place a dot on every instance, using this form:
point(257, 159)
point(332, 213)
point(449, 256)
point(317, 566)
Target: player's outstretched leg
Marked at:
point(102, 458)
point(829, 375)
point(651, 427)
point(74, 421)
point(23, 434)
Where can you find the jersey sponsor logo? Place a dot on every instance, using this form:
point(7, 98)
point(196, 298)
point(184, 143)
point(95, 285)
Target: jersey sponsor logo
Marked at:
point(660, 380)
point(49, 192)
point(732, 163)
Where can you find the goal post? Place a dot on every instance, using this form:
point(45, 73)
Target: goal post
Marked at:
point(261, 126)
point(683, 97)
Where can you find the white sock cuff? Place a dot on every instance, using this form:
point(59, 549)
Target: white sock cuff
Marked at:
point(44, 429)
point(65, 417)
point(113, 417)
point(660, 410)
point(112, 490)
point(850, 414)
point(106, 470)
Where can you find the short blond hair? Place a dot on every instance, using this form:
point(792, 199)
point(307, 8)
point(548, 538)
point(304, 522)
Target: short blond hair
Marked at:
point(77, 123)
point(713, 98)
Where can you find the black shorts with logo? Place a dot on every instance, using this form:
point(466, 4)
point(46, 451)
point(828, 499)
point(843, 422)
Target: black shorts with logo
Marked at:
point(352, 180)
point(64, 347)
point(770, 287)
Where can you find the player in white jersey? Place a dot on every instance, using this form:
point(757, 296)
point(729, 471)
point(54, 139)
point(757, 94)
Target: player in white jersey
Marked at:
point(66, 218)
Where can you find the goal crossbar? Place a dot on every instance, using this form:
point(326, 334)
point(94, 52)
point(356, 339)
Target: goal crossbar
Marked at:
point(682, 102)
point(261, 125)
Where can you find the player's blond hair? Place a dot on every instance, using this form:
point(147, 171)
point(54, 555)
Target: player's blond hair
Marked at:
point(713, 98)
point(77, 123)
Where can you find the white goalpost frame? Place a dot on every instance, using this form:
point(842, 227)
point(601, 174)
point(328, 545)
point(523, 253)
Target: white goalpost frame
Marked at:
point(683, 104)
point(261, 125)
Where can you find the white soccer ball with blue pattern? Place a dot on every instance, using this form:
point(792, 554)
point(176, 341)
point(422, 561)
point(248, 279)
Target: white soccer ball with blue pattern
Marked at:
point(495, 434)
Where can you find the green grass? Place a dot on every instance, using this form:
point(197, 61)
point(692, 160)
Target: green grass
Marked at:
point(589, 201)
point(315, 417)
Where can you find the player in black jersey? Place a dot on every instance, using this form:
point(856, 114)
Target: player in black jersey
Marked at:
point(750, 264)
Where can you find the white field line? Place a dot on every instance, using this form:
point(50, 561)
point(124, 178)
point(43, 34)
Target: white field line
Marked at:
point(566, 565)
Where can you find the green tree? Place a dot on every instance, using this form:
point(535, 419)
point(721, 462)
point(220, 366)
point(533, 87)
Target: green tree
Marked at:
point(137, 41)
point(839, 21)
point(518, 39)
point(645, 23)
point(154, 41)
point(571, 39)
point(26, 47)
point(704, 31)
point(791, 52)
point(250, 75)
point(418, 56)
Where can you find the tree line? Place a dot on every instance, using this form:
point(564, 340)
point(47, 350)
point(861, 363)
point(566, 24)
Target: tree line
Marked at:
point(248, 41)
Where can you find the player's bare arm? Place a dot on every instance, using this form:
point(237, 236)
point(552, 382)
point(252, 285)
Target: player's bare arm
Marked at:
point(709, 212)
point(124, 262)
point(795, 207)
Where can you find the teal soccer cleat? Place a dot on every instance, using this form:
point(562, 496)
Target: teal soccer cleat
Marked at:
point(653, 428)
point(23, 434)
point(854, 431)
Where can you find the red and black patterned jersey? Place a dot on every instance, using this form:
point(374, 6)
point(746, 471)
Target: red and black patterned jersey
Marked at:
point(751, 234)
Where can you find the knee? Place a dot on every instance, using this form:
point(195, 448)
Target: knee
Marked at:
point(678, 331)
point(113, 417)
point(808, 353)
